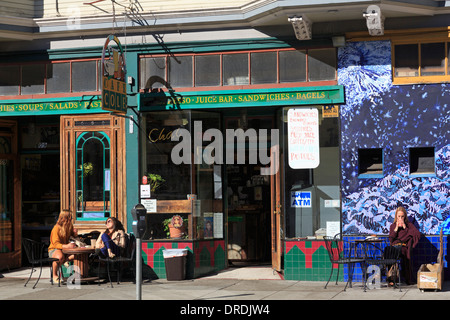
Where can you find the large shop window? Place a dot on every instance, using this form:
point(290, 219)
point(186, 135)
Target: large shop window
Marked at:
point(182, 182)
point(312, 195)
point(238, 68)
point(421, 62)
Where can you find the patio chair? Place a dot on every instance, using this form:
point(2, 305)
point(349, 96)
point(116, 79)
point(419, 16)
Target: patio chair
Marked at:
point(391, 258)
point(37, 255)
point(335, 247)
point(127, 256)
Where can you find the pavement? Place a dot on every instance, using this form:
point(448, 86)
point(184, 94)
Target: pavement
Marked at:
point(242, 287)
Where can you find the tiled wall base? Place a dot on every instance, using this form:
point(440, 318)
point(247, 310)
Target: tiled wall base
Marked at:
point(204, 257)
point(308, 260)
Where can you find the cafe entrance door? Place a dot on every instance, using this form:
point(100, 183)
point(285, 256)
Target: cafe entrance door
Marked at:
point(93, 171)
point(10, 199)
point(253, 192)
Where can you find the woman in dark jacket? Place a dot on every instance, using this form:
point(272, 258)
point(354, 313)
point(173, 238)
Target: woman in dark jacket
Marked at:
point(403, 233)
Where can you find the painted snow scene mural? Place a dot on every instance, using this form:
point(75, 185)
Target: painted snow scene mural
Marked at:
point(379, 115)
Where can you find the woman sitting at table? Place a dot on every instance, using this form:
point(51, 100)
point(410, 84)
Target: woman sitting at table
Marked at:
point(403, 233)
point(112, 240)
point(59, 239)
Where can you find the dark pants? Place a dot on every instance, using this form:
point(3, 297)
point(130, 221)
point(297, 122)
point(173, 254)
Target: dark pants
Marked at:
point(109, 244)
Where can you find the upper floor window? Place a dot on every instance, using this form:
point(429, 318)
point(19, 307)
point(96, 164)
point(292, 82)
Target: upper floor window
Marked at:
point(423, 62)
point(50, 78)
point(243, 68)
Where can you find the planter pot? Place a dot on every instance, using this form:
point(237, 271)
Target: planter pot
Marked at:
point(176, 233)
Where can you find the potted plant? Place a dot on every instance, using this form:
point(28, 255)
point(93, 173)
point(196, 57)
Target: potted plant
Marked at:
point(155, 181)
point(174, 227)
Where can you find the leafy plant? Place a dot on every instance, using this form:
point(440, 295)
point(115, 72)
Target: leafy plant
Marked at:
point(155, 181)
point(88, 169)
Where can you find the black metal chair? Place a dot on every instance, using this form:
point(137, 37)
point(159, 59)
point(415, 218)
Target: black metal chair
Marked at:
point(335, 247)
point(127, 256)
point(37, 256)
point(391, 258)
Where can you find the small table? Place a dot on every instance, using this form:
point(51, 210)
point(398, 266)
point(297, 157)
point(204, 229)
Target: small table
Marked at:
point(365, 242)
point(81, 261)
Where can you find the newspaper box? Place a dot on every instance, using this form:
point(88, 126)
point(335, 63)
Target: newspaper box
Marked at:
point(431, 276)
point(175, 262)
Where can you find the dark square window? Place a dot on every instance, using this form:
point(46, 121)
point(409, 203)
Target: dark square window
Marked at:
point(421, 161)
point(370, 161)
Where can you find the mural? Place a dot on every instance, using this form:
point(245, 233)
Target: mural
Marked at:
point(378, 114)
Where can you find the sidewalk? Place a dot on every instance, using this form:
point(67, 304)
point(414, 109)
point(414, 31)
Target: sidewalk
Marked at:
point(223, 286)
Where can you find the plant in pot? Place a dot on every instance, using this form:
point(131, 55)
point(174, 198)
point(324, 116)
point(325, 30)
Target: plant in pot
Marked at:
point(174, 227)
point(155, 181)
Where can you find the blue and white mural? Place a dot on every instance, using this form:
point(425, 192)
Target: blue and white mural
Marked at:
point(378, 114)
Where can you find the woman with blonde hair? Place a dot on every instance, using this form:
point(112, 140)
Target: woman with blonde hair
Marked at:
point(403, 233)
point(59, 239)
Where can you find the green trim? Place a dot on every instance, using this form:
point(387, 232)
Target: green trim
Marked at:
point(241, 98)
point(52, 106)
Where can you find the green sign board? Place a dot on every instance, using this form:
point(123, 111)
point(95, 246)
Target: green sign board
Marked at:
point(32, 108)
point(244, 98)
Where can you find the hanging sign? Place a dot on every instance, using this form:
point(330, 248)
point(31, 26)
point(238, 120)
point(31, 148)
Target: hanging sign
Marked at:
point(114, 88)
point(303, 138)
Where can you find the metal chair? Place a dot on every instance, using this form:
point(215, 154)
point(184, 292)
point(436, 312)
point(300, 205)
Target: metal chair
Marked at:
point(335, 247)
point(128, 255)
point(390, 258)
point(35, 254)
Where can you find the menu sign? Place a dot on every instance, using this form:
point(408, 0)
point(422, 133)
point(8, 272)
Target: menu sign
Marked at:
point(303, 138)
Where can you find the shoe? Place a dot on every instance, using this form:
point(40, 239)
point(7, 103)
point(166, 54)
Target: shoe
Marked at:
point(67, 264)
point(56, 280)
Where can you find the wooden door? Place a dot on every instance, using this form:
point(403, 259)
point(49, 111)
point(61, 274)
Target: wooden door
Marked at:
point(10, 197)
point(276, 212)
point(93, 169)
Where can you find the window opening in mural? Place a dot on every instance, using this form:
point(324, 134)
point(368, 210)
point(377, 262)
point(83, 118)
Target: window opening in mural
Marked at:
point(93, 175)
point(370, 161)
point(421, 161)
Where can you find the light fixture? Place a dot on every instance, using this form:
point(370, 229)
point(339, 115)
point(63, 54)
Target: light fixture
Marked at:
point(338, 41)
point(302, 27)
point(375, 20)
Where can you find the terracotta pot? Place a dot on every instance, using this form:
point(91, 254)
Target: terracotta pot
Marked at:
point(176, 233)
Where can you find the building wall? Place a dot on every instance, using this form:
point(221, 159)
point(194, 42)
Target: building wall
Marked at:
point(378, 114)
point(394, 118)
point(56, 8)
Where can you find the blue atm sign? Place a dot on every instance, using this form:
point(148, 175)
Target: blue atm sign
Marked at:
point(300, 199)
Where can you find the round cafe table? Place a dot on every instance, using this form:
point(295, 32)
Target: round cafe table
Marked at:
point(81, 255)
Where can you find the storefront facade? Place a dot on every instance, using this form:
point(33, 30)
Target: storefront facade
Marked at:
point(60, 151)
point(211, 113)
point(228, 173)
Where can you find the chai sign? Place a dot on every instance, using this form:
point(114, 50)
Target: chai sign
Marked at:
point(303, 138)
point(114, 88)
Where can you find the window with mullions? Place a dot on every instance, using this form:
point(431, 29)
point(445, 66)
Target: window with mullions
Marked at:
point(259, 67)
point(50, 77)
point(421, 62)
point(93, 175)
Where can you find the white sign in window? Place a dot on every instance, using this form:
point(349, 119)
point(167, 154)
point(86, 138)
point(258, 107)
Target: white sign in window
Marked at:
point(300, 199)
point(303, 138)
